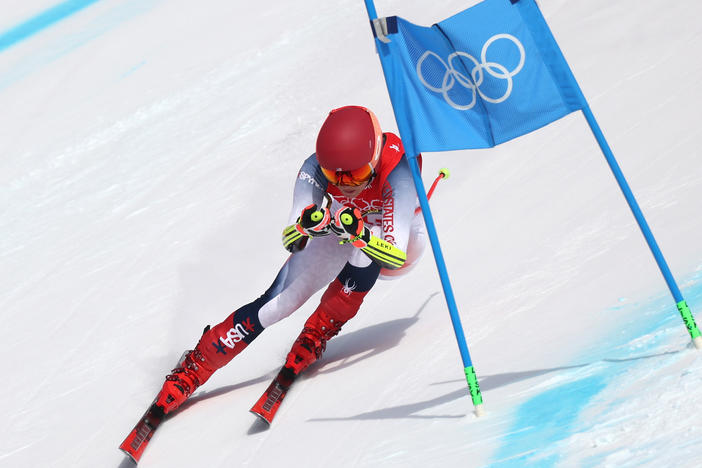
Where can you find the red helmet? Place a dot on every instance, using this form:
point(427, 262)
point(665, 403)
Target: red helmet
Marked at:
point(350, 140)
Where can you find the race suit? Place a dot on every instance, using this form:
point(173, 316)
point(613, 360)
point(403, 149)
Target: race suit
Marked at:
point(388, 206)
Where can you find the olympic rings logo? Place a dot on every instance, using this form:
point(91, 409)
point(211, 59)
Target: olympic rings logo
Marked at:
point(477, 74)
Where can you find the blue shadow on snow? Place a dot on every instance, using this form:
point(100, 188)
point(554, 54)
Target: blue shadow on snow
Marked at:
point(553, 415)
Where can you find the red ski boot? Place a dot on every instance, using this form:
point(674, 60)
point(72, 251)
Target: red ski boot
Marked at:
point(308, 347)
point(184, 380)
point(217, 346)
point(334, 310)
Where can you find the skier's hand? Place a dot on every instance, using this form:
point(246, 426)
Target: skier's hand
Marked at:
point(348, 225)
point(293, 240)
point(313, 222)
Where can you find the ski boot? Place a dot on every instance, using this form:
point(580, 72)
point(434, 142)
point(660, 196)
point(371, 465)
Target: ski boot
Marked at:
point(192, 372)
point(217, 346)
point(312, 341)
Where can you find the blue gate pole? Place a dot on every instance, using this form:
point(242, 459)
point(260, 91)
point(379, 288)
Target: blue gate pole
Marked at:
point(469, 370)
point(683, 308)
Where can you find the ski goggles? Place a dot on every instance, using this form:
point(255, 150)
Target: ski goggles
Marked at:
point(350, 178)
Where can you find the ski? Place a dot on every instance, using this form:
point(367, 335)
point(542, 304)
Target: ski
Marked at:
point(137, 440)
point(267, 406)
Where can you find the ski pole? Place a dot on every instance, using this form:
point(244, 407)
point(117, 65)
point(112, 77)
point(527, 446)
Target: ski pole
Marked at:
point(443, 174)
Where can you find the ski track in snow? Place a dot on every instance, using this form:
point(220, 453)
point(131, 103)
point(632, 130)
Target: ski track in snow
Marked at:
point(129, 132)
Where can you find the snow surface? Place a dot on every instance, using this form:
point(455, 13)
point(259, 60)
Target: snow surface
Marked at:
point(135, 136)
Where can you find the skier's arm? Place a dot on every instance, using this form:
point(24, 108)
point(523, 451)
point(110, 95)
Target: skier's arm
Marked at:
point(310, 187)
point(349, 226)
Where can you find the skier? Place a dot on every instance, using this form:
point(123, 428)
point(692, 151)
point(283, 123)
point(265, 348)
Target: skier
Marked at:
point(352, 221)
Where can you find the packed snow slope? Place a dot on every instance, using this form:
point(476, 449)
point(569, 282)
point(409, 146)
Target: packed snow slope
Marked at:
point(149, 150)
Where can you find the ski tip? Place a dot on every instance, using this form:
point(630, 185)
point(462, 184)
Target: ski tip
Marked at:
point(263, 417)
point(129, 455)
point(259, 425)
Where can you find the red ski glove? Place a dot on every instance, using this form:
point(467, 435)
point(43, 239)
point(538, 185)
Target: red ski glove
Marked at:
point(314, 222)
point(348, 225)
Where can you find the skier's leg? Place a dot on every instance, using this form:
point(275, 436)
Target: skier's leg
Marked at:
point(218, 345)
point(340, 302)
point(303, 274)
